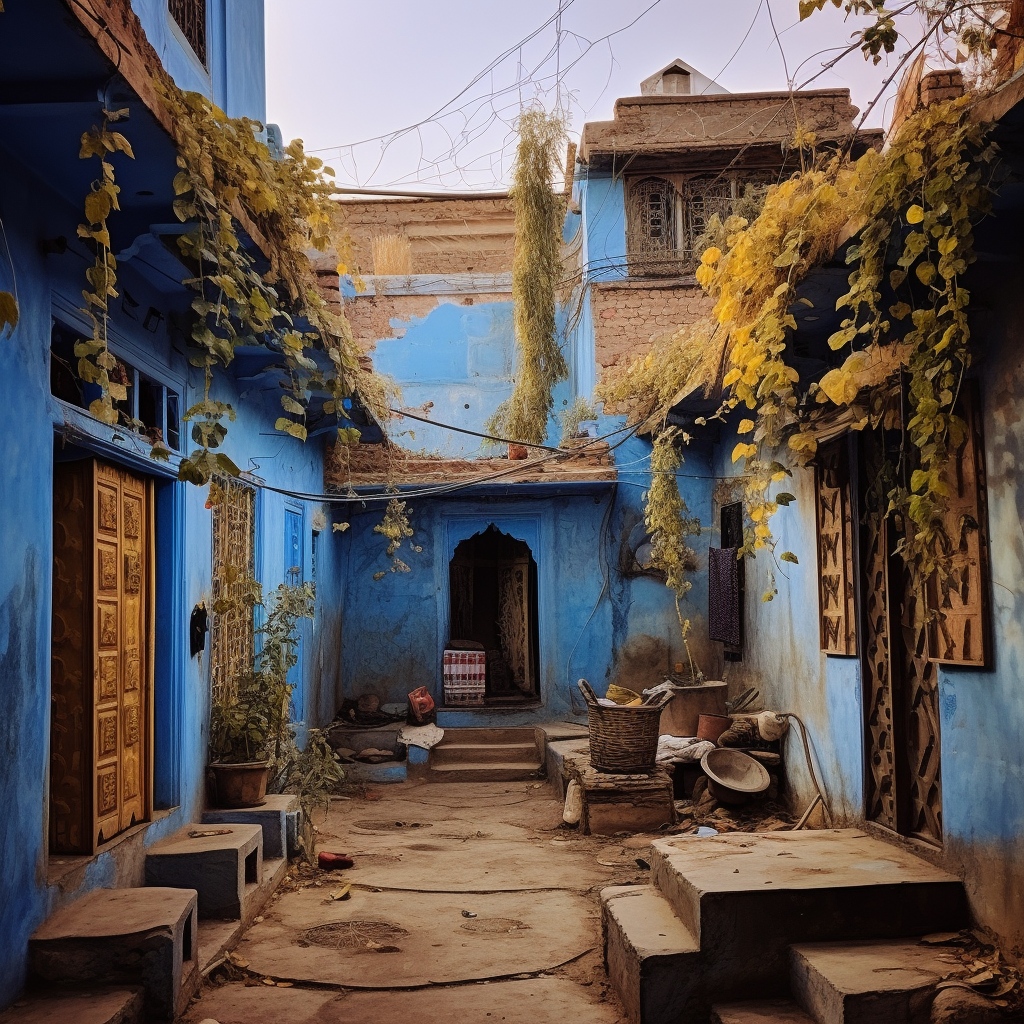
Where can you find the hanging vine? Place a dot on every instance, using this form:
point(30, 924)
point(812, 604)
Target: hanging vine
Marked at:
point(910, 210)
point(536, 271)
point(228, 176)
point(95, 360)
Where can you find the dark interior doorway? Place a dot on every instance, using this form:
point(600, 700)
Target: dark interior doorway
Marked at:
point(493, 588)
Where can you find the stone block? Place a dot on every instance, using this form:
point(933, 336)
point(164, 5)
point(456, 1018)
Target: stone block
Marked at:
point(223, 869)
point(95, 1006)
point(271, 816)
point(143, 937)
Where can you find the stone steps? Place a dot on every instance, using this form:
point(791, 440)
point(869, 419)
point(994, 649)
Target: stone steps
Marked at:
point(96, 1006)
point(226, 870)
point(478, 753)
point(650, 955)
point(766, 1011)
point(866, 982)
point(123, 937)
point(740, 902)
point(278, 816)
point(486, 755)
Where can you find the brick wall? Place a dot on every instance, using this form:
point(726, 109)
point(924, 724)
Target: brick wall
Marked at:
point(627, 316)
point(448, 236)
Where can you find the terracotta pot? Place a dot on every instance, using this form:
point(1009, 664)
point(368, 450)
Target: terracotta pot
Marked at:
point(241, 785)
point(710, 727)
point(518, 451)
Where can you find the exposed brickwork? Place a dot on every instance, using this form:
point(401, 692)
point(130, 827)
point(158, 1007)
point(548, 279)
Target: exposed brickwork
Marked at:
point(379, 464)
point(448, 236)
point(628, 316)
point(937, 86)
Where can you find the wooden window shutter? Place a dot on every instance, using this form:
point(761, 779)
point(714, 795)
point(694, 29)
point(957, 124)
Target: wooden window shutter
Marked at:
point(959, 626)
point(834, 516)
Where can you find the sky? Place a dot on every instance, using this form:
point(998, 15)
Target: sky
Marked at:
point(350, 77)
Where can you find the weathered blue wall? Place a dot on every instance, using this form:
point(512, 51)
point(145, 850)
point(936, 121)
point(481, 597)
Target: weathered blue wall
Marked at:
point(40, 201)
point(235, 75)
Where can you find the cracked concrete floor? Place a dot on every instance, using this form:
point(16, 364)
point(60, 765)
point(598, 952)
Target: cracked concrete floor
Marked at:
point(401, 946)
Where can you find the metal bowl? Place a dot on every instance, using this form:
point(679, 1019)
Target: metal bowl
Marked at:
point(733, 776)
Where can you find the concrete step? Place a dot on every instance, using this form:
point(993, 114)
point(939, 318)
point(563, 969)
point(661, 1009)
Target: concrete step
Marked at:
point(218, 935)
point(478, 753)
point(651, 957)
point(278, 816)
point(766, 1011)
point(495, 771)
point(226, 870)
point(517, 734)
point(748, 897)
point(123, 937)
point(93, 1006)
point(866, 982)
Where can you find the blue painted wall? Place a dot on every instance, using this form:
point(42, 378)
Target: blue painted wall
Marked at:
point(235, 73)
point(41, 201)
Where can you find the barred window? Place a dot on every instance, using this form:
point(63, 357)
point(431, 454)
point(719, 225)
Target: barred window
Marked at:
point(234, 565)
point(191, 18)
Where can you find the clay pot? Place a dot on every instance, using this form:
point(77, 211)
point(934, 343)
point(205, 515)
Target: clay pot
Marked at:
point(517, 452)
point(241, 785)
point(710, 727)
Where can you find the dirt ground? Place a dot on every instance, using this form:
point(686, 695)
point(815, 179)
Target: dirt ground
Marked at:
point(468, 903)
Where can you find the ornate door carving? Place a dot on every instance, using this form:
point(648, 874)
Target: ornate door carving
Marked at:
point(835, 550)
point(514, 620)
point(101, 654)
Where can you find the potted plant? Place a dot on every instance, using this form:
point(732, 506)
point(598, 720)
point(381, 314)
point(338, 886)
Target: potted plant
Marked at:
point(250, 729)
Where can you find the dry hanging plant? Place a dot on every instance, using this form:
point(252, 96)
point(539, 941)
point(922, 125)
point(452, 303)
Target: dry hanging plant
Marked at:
point(536, 270)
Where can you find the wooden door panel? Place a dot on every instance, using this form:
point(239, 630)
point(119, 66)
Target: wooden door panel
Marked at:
point(99, 678)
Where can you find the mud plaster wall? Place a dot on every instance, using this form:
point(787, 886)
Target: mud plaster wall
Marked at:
point(450, 236)
point(378, 317)
point(627, 317)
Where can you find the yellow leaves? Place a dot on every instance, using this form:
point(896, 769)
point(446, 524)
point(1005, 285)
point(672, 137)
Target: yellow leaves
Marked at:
point(97, 206)
point(925, 272)
point(732, 376)
point(915, 214)
point(8, 310)
point(711, 256)
point(745, 427)
point(290, 427)
point(762, 531)
point(743, 451)
point(804, 443)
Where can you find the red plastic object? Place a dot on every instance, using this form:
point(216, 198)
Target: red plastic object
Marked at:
point(421, 703)
point(333, 861)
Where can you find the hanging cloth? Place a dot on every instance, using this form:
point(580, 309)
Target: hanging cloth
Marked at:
point(724, 595)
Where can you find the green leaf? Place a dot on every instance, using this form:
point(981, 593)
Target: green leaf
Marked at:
point(227, 465)
point(8, 312)
point(788, 556)
point(784, 498)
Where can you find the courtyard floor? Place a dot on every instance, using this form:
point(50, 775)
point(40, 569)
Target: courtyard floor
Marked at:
point(468, 903)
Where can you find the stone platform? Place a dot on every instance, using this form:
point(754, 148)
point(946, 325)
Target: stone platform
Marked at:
point(620, 803)
point(821, 924)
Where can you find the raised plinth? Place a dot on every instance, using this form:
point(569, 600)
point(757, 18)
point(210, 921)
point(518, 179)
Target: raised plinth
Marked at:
point(272, 816)
point(142, 937)
point(225, 870)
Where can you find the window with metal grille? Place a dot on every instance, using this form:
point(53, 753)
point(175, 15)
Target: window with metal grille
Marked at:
point(650, 227)
point(232, 632)
point(663, 221)
point(191, 18)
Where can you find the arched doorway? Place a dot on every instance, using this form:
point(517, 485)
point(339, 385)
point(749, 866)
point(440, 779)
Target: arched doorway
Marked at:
point(493, 594)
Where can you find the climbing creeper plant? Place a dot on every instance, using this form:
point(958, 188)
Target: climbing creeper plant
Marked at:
point(911, 211)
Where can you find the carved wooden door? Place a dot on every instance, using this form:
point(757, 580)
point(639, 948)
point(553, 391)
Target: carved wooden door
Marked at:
point(901, 699)
point(101, 654)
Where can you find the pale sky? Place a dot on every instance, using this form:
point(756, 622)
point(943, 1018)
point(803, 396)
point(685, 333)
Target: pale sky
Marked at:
point(340, 72)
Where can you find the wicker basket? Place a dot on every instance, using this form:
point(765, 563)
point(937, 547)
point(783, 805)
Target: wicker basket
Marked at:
point(623, 741)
